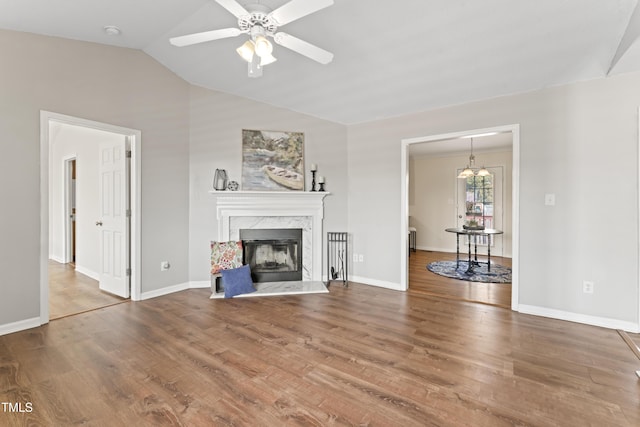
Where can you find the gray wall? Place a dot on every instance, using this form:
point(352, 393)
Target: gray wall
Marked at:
point(107, 84)
point(217, 120)
point(578, 141)
point(127, 88)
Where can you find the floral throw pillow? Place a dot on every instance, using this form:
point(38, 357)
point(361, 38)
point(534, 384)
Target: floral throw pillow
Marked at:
point(225, 256)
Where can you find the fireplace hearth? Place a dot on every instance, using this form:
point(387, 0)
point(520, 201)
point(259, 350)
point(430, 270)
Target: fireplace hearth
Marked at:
point(274, 255)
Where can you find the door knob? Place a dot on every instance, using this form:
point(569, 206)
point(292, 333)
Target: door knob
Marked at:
point(99, 223)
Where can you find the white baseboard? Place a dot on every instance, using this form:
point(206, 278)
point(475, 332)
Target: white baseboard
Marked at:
point(89, 273)
point(378, 283)
point(463, 251)
point(21, 325)
point(164, 291)
point(200, 284)
point(80, 269)
point(603, 322)
point(176, 288)
point(56, 259)
point(432, 249)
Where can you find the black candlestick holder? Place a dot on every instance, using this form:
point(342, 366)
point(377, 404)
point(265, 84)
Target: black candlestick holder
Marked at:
point(321, 186)
point(313, 180)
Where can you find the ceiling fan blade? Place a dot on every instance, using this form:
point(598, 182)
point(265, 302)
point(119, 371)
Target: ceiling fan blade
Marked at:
point(303, 48)
point(234, 7)
point(296, 9)
point(206, 36)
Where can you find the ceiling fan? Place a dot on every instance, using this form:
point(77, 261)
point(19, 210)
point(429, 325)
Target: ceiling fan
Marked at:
point(260, 23)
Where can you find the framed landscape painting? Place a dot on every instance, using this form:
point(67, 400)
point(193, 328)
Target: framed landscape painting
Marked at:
point(272, 160)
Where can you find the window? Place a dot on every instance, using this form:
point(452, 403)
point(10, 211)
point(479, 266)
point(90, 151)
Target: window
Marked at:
point(479, 202)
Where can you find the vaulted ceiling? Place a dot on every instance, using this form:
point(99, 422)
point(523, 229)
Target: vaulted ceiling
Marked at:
point(391, 57)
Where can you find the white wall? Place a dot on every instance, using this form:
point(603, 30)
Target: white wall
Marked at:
point(82, 143)
point(577, 141)
point(432, 198)
point(123, 87)
point(566, 133)
point(217, 120)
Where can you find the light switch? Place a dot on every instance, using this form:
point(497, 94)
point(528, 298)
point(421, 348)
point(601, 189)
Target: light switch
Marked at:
point(550, 199)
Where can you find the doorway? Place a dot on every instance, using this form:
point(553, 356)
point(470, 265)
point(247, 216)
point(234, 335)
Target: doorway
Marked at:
point(76, 259)
point(49, 123)
point(451, 201)
point(70, 210)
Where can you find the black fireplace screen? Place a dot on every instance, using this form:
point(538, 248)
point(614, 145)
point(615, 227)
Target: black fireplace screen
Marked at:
point(274, 255)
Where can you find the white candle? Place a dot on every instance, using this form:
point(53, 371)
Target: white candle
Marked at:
point(314, 167)
point(321, 180)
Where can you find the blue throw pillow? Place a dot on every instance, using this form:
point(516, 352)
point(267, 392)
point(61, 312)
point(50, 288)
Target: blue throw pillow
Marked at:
point(237, 281)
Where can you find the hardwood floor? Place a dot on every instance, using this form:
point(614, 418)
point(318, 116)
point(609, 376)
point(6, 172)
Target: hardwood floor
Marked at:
point(71, 292)
point(423, 281)
point(356, 356)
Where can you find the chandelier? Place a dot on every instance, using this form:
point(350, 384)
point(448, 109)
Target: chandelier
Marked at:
point(470, 170)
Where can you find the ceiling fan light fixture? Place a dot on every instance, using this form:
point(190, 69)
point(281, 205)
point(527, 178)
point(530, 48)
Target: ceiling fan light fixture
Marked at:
point(246, 51)
point(267, 59)
point(261, 23)
point(263, 46)
point(255, 67)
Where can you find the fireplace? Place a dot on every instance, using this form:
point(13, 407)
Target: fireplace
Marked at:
point(274, 255)
point(240, 210)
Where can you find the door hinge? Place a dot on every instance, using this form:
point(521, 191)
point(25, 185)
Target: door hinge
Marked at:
point(128, 272)
point(128, 213)
point(128, 154)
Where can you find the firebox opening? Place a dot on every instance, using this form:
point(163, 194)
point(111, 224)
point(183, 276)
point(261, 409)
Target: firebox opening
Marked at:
point(274, 255)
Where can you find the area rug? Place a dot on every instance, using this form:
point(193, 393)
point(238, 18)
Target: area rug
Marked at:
point(498, 273)
point(269, 289)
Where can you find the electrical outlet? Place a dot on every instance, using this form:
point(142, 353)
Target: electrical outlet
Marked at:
point(550, 199)
point(587, 287)
point(360, 258)
point(164, 266)
point(355, 257)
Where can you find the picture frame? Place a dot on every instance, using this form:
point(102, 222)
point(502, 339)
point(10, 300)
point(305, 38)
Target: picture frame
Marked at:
point(272, 160)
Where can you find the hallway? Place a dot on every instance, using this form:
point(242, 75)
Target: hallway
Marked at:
point(72, 293)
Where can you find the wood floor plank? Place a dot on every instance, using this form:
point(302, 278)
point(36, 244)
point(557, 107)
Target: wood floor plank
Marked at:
point(423, 281)
point(356, 356)
point(71, 292)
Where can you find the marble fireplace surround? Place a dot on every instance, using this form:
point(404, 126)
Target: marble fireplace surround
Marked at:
point(237, 210)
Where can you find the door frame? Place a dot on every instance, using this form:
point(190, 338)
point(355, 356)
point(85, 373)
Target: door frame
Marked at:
point(135, 136)
point(515, 217)
point(67, 240)
point(638, 254)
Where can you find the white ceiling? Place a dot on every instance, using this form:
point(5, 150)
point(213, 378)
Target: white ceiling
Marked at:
point(391, 57)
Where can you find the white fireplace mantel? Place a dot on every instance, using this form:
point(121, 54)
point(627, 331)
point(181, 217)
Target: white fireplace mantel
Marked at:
point(230, 204)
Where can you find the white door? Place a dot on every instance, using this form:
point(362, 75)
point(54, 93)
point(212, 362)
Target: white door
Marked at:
point(482, 201)
point(114, 220)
